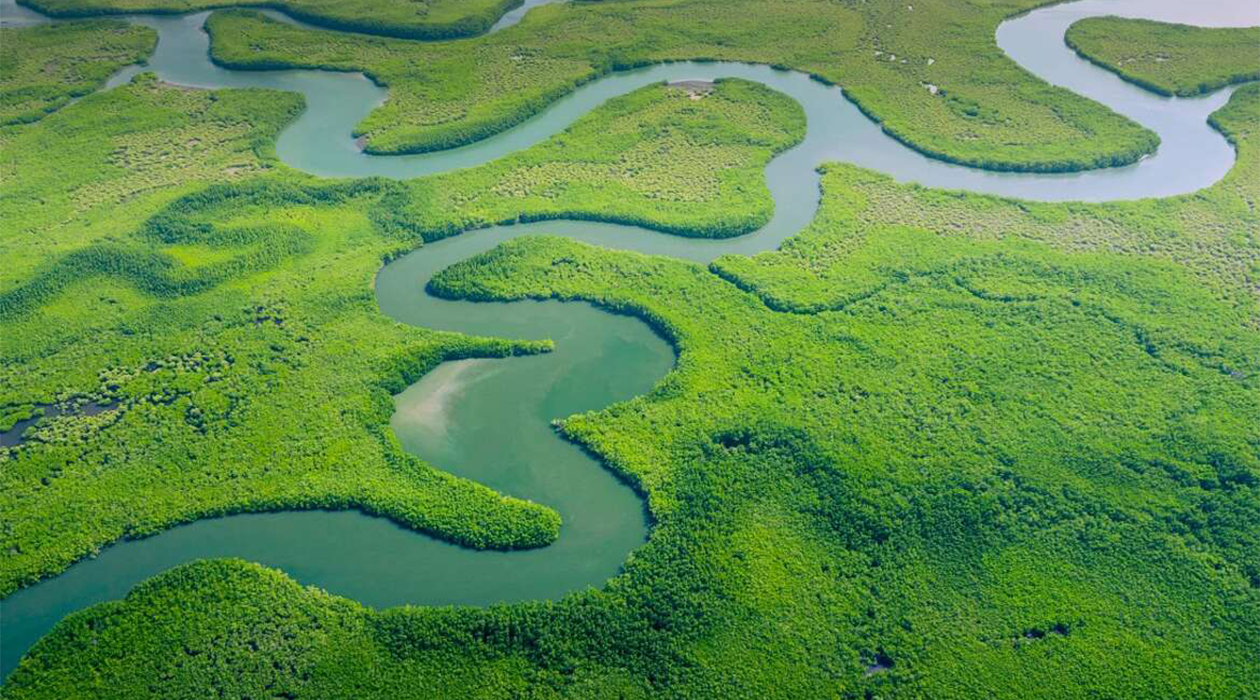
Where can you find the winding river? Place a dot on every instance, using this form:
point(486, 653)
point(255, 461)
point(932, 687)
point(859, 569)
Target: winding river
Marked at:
point(488, 420)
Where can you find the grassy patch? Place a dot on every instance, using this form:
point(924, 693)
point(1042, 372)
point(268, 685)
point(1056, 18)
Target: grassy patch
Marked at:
point(1170, 59)
point(653, 157)
point(44, 67)
point(1212, 233)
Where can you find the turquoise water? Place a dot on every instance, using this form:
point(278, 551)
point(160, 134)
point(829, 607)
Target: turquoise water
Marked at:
point(488, 420)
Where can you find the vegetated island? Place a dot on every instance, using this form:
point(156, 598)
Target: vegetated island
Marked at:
point(1170, 59)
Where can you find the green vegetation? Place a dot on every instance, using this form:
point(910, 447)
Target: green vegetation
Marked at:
point(212, 316)
point(654, 157)
point(134, 147)
point(1213, 234)
point(413, 19)
point(941, 445)
point(44, 67)
point(221, 315)
point(885, 56)
point(1170, 59)
point(844, 502)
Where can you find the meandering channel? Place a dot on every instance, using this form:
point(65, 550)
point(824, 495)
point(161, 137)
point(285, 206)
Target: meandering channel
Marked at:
point(488, 420)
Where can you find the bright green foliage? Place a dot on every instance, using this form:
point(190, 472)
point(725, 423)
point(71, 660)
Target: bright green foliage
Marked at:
point(991, 405)
point(219, 319)
point(44, 67)
point(883, 54)
point(961, 478)
point(10, 415)
point(1214, 234)
point(220, 316)
point(126, 150)
point(941, 445)
point(414, 19)
point(655, 157)
point(1170, 59)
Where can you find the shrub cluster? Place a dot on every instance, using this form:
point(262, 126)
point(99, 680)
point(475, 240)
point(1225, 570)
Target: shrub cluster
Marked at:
point(1169, 59)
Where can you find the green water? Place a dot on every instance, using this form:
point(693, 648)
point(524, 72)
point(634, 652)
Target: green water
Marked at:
point(488, 420)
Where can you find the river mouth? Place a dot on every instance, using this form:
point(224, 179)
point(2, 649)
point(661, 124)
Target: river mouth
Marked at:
point(488, 419)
